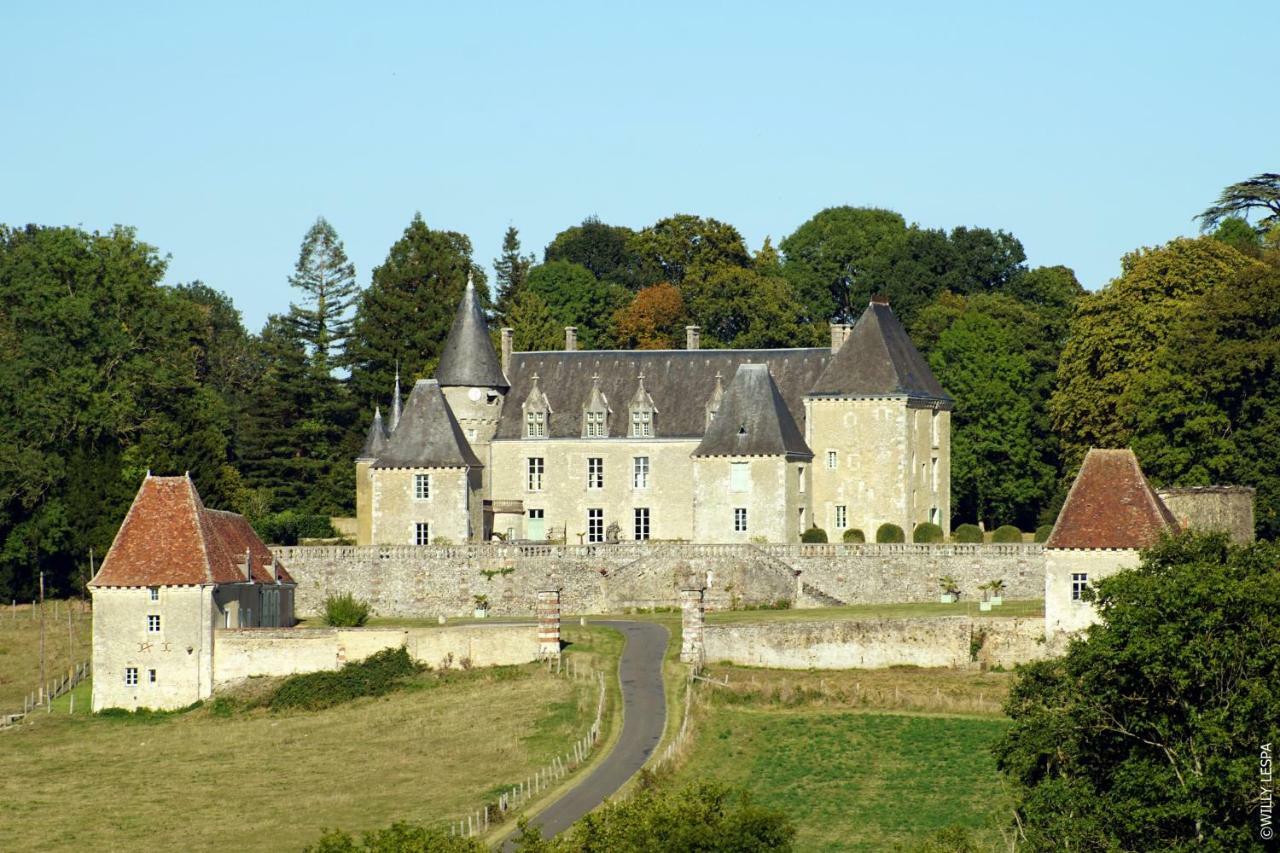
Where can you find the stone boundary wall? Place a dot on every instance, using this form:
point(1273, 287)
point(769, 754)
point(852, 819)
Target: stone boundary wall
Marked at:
point(944, 641)
point(427, 581)
point(250, 652)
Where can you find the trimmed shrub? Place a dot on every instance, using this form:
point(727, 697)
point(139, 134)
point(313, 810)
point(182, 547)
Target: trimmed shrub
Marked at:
point(926, 532)
point(1006, 533)
point(854, 535)
point(890, 533)
point(375, 675)
point(1043, 531)
point(814, 534)
point(970, 534)
point(345, 611)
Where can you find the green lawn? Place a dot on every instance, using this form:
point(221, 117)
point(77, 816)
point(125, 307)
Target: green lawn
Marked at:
point(856, 780)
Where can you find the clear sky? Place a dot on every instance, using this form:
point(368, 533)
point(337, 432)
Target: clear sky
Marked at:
point(221, 130)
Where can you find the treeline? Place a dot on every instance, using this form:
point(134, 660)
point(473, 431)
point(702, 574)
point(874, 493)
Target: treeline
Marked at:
point(105, 373)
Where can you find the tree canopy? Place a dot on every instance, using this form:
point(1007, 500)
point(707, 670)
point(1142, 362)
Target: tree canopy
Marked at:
point(1259, 193)
point(575, 297)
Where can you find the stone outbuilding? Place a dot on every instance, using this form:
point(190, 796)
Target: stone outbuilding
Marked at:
point(176, 572)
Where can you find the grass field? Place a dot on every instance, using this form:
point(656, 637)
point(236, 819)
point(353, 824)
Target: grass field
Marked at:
point(857, 781)
point(259, 780)
point(20, 646)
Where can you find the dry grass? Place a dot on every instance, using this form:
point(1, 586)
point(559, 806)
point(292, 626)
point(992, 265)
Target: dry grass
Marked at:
point(20, 646)
point(270, 781)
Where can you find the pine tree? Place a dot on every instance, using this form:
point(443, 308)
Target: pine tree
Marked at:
point(328, 280)
point(512, 270)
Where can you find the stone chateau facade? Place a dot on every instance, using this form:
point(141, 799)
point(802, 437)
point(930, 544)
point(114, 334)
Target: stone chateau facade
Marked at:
point(692, 445)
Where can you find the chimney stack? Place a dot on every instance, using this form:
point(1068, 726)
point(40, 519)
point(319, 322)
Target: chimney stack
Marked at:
point(692, 337)
point(839, 333)
point(879, 299)
point(508, 344)
point(570, 338)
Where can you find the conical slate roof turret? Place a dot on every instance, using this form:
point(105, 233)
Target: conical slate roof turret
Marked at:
point(879, 360)
point(376, 439)
point(469, 358)
point(428, 435)
point(753, 420)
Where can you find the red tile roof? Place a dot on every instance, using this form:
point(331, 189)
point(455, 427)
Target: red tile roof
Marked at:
point(169, 538)
point(1111, 505)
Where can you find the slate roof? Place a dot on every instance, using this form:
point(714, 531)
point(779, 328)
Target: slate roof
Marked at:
point(376, 439)
point(753, 420)
point(169, 538)
point(428, 435)
point(680, 383)
point(879, 360)
point(1111, 505)
point(468, 358)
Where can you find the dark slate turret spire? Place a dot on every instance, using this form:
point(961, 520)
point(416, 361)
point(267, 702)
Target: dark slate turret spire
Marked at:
point(430, 436)
point(376, 439)
point(753, 420)
point(469, 358)
point(879, 360)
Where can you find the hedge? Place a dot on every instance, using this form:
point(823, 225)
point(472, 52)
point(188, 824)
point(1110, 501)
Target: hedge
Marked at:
point(1006, 534)
point(286, 528)
point(967, 533)
point(1043, 531)
point(854, 535)
point(926, 532)
point(814, 534)
point(890, 533)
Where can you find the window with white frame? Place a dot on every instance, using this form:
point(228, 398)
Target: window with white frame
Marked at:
point(595, 426)
point(1079, 581)
point(535, 423)
point(154, 593)
point(642, 423)
point(534, 468)
point(740, 519)
point(422, 486)
point(739, 477)
point(640, 524)
point(153, 624)
point(131, 676)
point(842, 516)
point(595, 525)
point(595, 472)
point(421, 533)
point(833, 460)
point(640, 472)
point(151, 676)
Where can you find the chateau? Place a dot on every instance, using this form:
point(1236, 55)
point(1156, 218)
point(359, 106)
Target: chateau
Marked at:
point(693, 445)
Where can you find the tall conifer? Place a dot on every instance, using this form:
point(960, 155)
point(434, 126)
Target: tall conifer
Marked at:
point(328, 281)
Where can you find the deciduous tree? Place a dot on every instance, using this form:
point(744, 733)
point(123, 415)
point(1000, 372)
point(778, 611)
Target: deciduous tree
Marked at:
point(654, 319)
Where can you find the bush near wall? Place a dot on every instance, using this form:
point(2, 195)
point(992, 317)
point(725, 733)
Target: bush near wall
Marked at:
point(1006, 534)
point(854, 535)
point(286, 528)
point(890, 533)
point(1043, 531)
point(345, 611)
point(374, 676)
point(970, 534)
point(814, 534)
point(926, 532)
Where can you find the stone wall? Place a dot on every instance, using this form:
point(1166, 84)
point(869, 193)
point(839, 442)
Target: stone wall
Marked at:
point(247, 653)
point(443, 580)
point(1228, 508)
point(946, 641)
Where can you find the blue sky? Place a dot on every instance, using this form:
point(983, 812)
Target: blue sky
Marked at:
point(221, 132)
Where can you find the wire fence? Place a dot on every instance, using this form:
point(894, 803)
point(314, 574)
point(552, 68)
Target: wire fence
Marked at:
point(560, 766)
point(44, 695)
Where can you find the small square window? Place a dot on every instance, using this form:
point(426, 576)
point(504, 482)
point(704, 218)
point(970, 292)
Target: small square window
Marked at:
point(154, 593)
point(422, 486)
point(153, 624)
point(151, 676)
point(421, 533)
point(740, 519)
point(1079, 581)
point(131, 676)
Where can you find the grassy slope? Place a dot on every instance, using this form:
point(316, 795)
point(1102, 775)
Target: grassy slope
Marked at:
point(20, 647)
point(268, 781)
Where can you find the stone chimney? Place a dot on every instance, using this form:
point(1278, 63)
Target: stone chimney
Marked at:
point(570, 338)
point(508, 344)
point(549, 622)
point(692, 337)
point(839, 333)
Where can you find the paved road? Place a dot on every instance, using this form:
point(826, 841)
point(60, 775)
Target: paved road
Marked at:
point(644, 710)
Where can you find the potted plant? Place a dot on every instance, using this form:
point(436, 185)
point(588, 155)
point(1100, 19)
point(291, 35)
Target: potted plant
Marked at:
point(997, 592)
point(482, 606)
point(985, 603)
point(950, 589)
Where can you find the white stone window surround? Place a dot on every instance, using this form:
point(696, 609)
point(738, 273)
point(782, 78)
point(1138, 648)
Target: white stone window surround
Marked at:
point(833, 460)
point(842, 516)
point(535, 423)
point(739, 477)
point(641, 518)
point(535, 467)
point(422, 487)
point(153, 623)
point(595, 472)
point(1079, 583)
point(421, 533)
point(641, 423)
point(640, 472)
point(740, 519)
point(595, 525)
point(596, 425)
point(131, 676)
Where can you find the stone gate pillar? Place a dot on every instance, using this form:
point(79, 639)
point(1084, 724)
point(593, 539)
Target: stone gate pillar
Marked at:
point(549, 622)
point(691, 608)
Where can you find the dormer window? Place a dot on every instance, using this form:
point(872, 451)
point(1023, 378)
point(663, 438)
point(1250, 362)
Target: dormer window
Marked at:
point(537, 412)
point(595, 425)
point(713, 404)
point(642, 412)
point(535, 424)
point(595, 414)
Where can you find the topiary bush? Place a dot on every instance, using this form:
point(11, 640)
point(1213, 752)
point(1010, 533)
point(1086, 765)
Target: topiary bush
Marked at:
point(814, 534)
point(345, 611)
point(854, 535)
point(968, 533)
point(926, 532)
point(1006, 534)
point(375, 675)
point(890, 533)
point(1043, 531)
